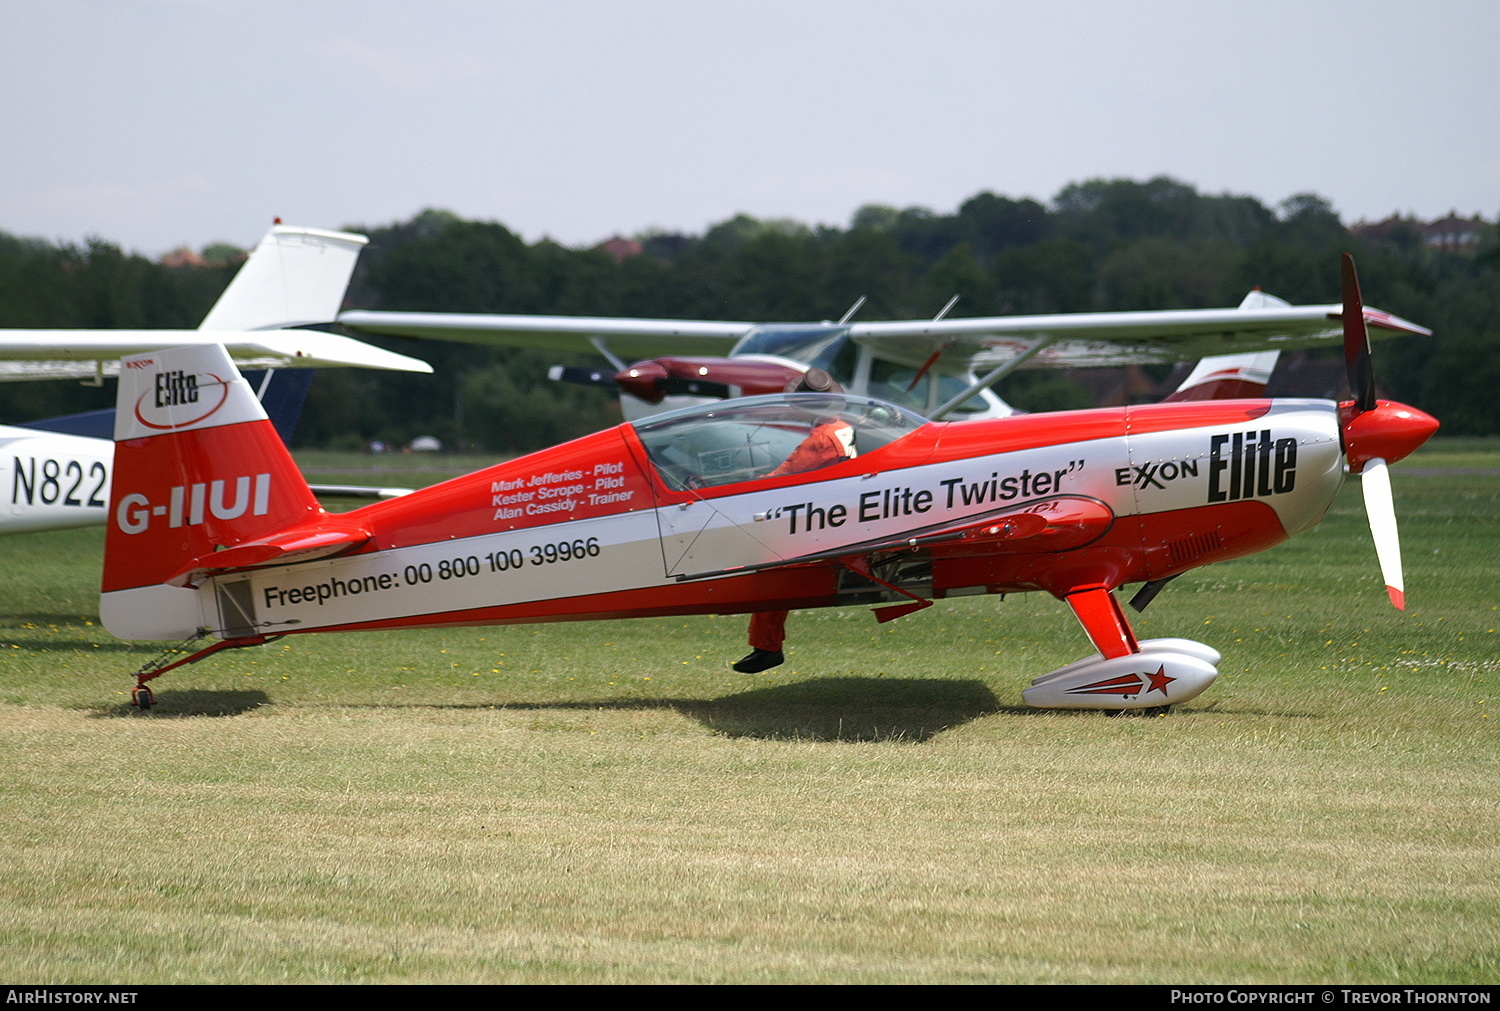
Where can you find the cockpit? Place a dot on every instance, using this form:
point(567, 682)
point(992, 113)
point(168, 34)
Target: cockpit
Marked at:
point(750, 438)
point(819, 345)
point(829, 346)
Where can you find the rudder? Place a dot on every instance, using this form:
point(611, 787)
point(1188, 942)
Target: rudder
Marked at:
point(198, 468)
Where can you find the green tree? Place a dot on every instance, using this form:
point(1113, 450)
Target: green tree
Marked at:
point(958, 273)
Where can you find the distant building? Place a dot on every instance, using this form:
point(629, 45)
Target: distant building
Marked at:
point(220, 254)
point(182, 256)
point(620, 248)
point(1394, 228)
point(1453, 233)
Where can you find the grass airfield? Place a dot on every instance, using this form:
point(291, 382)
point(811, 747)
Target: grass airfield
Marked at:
point(607, 802)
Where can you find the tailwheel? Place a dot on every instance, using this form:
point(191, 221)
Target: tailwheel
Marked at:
point(1148, 711)
point(142, 697)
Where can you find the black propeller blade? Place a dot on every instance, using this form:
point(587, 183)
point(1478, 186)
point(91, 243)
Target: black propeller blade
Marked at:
point(1356, 341)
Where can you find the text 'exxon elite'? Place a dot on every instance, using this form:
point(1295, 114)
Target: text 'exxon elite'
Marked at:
point(1250, 465)
point(173, 388)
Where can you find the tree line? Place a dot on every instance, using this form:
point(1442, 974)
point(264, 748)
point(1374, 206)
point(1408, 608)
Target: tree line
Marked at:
point(1096, 246)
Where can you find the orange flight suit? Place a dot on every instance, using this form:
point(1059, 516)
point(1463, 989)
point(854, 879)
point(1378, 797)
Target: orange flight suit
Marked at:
point(826, 444)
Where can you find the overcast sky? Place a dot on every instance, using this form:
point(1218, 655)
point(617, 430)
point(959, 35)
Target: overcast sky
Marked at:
point(158, 123)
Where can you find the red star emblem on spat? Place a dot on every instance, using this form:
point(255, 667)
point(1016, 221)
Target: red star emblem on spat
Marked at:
point(1159, 680)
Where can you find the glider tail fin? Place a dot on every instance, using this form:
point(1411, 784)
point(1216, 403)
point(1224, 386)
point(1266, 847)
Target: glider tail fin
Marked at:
point(1227, 377)
point(198, 469)
point(1234, 376)
point(294, 277)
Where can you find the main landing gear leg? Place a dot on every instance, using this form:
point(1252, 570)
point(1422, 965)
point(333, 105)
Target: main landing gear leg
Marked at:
point(1126, 675)
point(1100, 615)
point(1109, 629)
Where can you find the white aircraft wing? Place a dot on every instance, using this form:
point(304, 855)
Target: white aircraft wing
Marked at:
point(64, 354)
point(1094, 339)
point(1069, 339)
point(631, 338)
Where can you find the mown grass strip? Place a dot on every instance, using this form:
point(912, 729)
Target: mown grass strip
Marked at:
point(609, 803)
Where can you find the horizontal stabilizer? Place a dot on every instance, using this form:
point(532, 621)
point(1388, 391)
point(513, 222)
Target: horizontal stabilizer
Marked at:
point(279, 549)
point(65, 354)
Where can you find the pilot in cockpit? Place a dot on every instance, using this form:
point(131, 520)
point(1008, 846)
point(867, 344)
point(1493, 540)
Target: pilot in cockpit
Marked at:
point(830, 441)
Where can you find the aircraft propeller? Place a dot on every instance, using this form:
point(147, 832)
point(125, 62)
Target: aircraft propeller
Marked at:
point(1375, 434)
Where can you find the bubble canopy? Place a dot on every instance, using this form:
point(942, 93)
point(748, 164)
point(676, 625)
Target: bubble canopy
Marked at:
point(746, 439)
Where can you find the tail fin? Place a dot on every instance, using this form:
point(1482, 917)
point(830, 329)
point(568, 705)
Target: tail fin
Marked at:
point(295, 276)
point(198, 468)
point(283, 393)
point(1229, 377)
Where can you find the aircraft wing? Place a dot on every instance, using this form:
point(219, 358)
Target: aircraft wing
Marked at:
point(357, 491)
point(1097, 339)
point(1072, 339)
point(631, 338)
point(65, 354)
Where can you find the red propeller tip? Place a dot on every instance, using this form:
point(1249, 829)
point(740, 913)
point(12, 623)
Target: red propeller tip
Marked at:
point(1398, 597)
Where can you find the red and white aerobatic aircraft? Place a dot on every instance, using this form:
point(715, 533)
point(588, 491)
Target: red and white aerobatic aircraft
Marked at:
point(212, 531)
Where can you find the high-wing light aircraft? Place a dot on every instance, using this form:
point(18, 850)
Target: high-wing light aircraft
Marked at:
point(212, 532)
point(294, 276)
point(933, 366)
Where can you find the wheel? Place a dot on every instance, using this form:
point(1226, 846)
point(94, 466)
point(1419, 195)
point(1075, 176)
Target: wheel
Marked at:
point(142, 697)
point(1150, 711)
